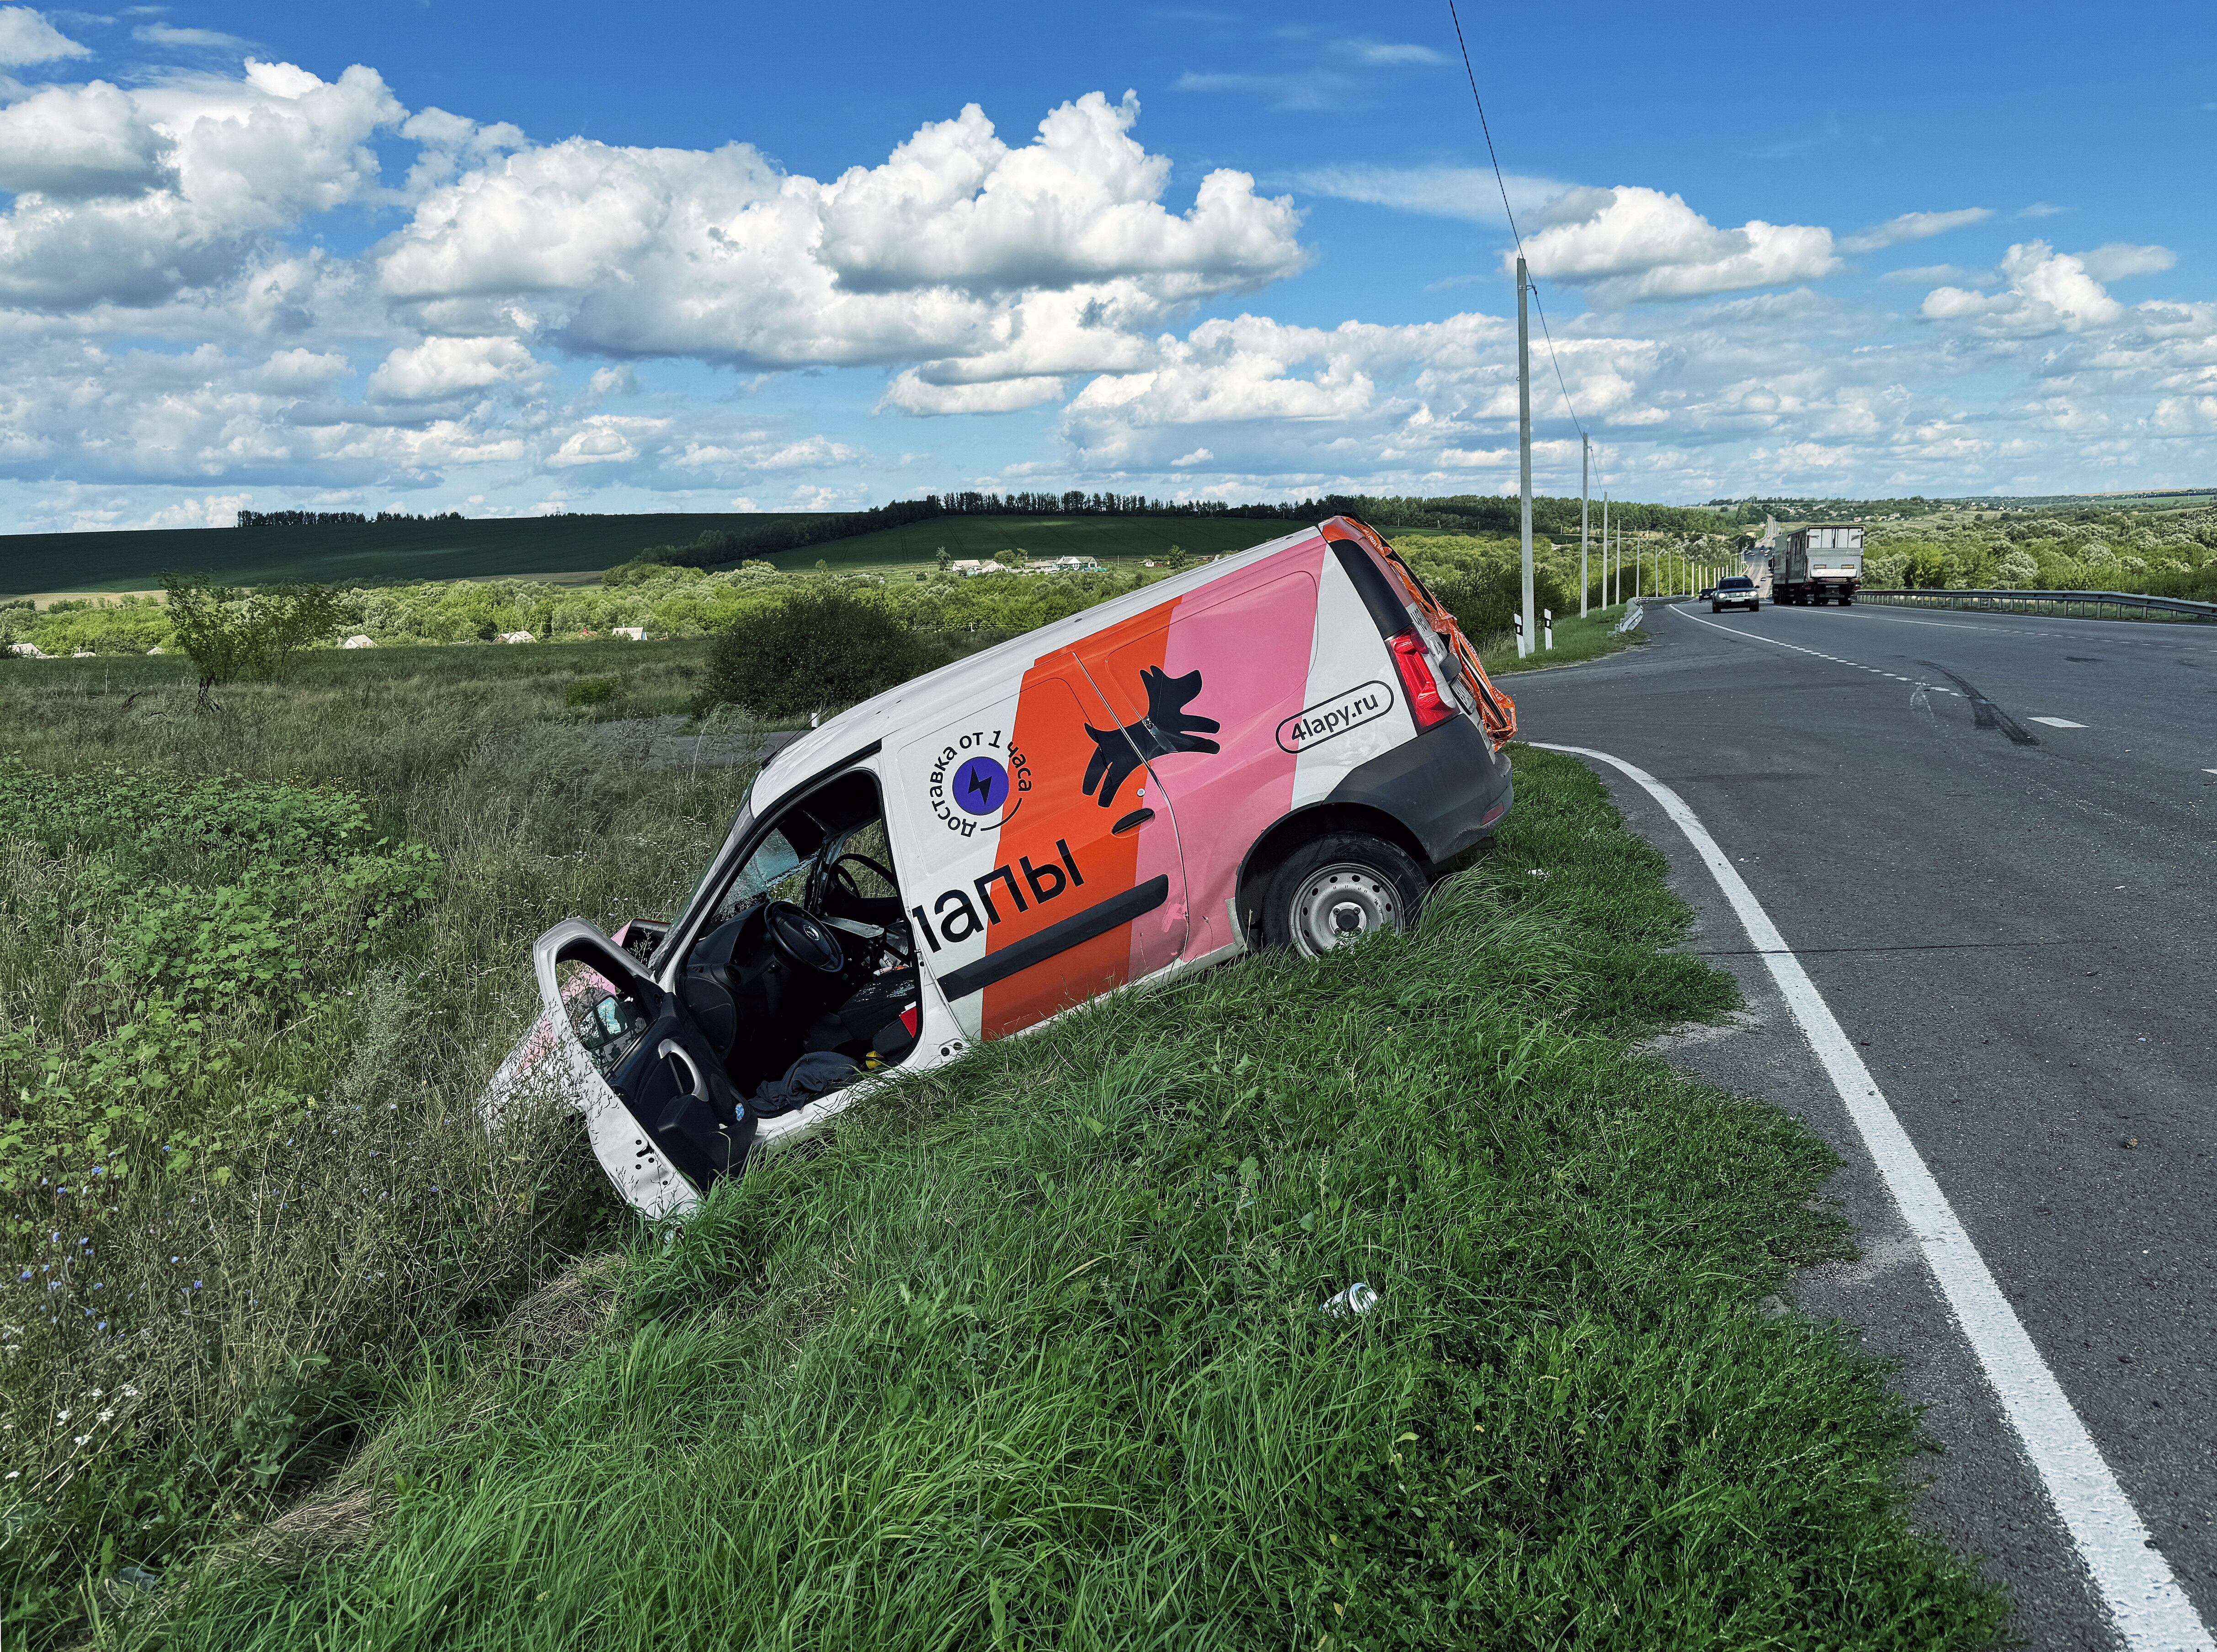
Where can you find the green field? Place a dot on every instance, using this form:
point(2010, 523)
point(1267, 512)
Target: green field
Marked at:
point(387, 554)
point(371, 554)
point(1030, 1353)
point(1108, 540)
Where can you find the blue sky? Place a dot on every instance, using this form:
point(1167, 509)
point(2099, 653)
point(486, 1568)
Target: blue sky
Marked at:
point(506, 259)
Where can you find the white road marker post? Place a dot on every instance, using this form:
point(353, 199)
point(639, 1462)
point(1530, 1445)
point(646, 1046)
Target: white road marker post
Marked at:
point(1547, 617)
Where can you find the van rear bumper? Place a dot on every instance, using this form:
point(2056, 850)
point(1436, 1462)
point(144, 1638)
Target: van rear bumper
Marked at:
point(1448, 785)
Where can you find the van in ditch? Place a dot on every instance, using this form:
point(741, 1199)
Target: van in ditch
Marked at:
point(1282, 748)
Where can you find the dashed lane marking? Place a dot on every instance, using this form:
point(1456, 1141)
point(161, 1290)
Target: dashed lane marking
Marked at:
point(2056, 722)
point(1814, 653)
point(2150, 1611)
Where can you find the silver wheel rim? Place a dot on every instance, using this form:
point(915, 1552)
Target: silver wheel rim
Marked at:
point(1338, 905)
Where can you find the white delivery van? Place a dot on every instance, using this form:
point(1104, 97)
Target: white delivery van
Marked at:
point(1282, 748)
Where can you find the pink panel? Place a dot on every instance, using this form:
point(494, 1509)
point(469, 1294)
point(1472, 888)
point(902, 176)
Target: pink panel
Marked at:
point(1250, 636)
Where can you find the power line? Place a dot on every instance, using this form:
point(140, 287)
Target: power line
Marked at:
point(1506, 211)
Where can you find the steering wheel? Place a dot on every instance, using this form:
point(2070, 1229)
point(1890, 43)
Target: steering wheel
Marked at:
point(801, 940)
point(837, 877)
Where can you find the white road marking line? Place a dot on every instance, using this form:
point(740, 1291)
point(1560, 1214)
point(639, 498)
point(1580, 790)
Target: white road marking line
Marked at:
point(2056, 722)
point(2209, 771)
point(2150, 1611)
point(1753, 637)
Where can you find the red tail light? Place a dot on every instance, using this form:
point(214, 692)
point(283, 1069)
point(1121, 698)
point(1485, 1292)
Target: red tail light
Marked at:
point(1423, 689)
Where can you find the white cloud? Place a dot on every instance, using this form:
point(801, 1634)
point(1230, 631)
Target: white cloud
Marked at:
point(912, 393)
point(186, 176)
point(2045, 292)
point(1629, 243)
point(2118, 260)
point(958, 249)
point(604, 439)
point(1464, 192)
point(1389, 53)
point(69, 142)
point(1264, 399)
point(170, 34)
point(27, 37)
point(441, 367)
point(1912, 227)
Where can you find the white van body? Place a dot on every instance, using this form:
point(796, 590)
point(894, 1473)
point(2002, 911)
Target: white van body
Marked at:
point(1284, 747)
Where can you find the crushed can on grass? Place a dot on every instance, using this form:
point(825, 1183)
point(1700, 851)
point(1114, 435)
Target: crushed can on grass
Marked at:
point(1357, 1298)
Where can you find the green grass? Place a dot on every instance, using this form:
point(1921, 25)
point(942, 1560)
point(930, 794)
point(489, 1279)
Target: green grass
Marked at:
point(1577, 639)
point(1031, 1355)
point(370, 554)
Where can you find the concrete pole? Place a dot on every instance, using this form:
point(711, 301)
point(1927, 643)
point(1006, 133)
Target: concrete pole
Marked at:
point(1605, 550)
point(1585, 489)
point(1524, 451)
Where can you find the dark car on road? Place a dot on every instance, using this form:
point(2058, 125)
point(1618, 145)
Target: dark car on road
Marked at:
point(1737, 592)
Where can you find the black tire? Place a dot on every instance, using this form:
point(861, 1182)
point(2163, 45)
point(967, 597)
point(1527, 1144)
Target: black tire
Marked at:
point(1339, 890)
point(1755, 607)
point(1716, 607)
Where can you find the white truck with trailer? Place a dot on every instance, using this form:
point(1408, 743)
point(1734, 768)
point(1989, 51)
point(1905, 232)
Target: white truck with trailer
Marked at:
point(1817, 564)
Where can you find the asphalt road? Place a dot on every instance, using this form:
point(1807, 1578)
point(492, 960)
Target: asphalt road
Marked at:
point(2018, 922)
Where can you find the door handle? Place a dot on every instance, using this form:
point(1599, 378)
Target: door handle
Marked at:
point(1131, 822)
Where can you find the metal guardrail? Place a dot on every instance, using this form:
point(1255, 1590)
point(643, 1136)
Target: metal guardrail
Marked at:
point(2097, 605)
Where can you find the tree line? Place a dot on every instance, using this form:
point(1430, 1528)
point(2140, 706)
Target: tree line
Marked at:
point(337, 518)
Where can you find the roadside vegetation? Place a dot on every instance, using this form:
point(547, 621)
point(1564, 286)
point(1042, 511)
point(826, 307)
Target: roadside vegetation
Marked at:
point(1576, 640)
point(1031, 1353)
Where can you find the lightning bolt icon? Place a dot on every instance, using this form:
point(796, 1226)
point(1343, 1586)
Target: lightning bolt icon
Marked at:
point(980, 787)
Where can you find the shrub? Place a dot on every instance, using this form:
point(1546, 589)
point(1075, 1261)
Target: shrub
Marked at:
point(2018, 570)
point(591, 691)
point(813, 649)
point(229, 635)
point(1485, 592)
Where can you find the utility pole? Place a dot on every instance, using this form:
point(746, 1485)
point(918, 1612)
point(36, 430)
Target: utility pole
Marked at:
point(1585, 487)
point(1604, 550)
point(1530, 632)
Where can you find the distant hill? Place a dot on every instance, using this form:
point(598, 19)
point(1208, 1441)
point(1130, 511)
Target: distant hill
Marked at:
point(405, 552)
point(370, 553)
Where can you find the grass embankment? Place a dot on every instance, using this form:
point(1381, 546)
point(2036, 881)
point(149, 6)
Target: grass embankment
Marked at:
point(1577, 639)
point(1031, 1353)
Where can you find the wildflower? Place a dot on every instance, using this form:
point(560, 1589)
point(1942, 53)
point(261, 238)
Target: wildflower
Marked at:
point(15, 1474)
point(61, 1416)
point(129, 1392)
point(83, 1440)
point(107, 1416)
point(95, 1395)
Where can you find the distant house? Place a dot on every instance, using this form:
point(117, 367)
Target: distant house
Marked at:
point(357, 641)
point(517, 637)
point(971, 567)
point(636, 633)
point(1071, 565)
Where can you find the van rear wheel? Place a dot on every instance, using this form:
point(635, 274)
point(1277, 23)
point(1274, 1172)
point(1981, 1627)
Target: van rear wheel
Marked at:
point(1339, 890)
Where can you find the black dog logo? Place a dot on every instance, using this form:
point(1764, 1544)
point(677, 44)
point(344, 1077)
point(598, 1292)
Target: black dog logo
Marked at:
point(1167, 727)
